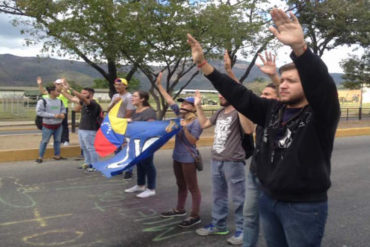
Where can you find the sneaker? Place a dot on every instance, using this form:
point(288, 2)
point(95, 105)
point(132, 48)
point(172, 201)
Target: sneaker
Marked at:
point(66, 144)
point(84, 166)
point(173, 212)
point(127, 175)
point(135, 188)
point(189, 222)
point(146, 193)
point(39, 160)
point(236, 239)
point(210, 230)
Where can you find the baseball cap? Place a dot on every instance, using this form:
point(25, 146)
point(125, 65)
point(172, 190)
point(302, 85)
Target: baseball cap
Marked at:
point(121, 80)
point(58, 81)
point(187, 99)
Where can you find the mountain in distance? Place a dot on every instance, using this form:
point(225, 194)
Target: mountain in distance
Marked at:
point(18, 71)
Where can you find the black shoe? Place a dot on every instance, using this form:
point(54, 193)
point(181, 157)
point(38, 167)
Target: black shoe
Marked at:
point(127, 175)
point(38, 160)
point(59, 158)
point(172, 213)
point(189, 222)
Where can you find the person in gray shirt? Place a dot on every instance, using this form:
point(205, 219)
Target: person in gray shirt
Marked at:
point(52, 113)
point(126, 109)
point(227, 165)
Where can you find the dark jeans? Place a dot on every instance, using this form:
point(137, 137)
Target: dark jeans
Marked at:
point(186, 179)
point(146, 169)
point(296, 224)
point(65, 130)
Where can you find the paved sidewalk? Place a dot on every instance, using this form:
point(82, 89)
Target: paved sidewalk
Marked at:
point(24, 146)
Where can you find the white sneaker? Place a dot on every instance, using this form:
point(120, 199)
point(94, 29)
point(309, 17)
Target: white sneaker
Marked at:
point(135, 188)
point(236, 239)
point(146, 193)
point(66, 144)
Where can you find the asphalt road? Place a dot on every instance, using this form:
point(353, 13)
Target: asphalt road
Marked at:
point(55, 204)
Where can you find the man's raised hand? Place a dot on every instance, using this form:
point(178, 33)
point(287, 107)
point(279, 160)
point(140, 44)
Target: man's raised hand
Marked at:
point(268, 67)
point(39, 80)
point(196, 50)
point(288, 30)
point(197, 98)
point(159, 80)
point(227, 61)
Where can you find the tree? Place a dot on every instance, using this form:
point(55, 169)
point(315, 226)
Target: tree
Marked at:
point(138, 33)
point(85, 29)
point(331, 23)
point(356, 71)
point(161, 39)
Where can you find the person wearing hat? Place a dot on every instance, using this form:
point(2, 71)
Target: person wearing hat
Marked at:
point(183, 156)
point(126, 109)
point(59, 87)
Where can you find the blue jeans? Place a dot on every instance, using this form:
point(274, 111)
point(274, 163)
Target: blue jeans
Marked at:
point(146, 169)
point(87, 138)
point(292, 224)
point(250, 211)
point(46, 134)
point(227, 175)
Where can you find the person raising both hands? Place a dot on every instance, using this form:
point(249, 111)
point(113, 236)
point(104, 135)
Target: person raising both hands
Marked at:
point(294, 154)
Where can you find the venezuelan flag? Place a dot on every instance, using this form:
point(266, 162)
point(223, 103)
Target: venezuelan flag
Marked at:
point(111, 134)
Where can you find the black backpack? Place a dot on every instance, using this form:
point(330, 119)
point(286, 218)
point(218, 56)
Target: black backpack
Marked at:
point(100, 117)
point(38, 119)
point(248, 144)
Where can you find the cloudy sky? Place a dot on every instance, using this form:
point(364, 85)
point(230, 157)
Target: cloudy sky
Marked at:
point(12, 42)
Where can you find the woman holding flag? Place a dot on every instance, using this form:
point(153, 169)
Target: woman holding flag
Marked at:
point(145, 168)
point(183, 156)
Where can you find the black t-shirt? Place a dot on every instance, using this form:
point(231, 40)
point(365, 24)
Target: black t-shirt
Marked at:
point(89, 116)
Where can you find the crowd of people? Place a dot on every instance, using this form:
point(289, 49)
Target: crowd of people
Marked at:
point(286, 185)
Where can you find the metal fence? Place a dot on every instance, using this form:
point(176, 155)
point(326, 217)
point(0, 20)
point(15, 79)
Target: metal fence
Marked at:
point(346, 114)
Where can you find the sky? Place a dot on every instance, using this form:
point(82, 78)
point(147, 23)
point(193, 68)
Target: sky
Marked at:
point(12, 42)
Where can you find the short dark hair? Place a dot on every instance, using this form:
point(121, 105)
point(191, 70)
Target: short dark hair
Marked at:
point(89, 89)
point(50, 88)
point(286, 67)
point(271, 85)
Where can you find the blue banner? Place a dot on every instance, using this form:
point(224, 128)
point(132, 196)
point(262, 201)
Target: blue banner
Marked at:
point(142, 139)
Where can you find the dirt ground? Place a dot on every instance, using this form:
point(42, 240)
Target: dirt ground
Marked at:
point(30, 141)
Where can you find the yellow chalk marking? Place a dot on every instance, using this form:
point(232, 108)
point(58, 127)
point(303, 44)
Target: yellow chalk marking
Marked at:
point(29, 239)
point(38, 218)
point(25, 221)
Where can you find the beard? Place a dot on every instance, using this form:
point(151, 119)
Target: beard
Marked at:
point(293, 101)
point(224, 103)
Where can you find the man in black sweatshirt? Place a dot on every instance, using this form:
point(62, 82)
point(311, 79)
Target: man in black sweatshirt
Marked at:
point(298, 134)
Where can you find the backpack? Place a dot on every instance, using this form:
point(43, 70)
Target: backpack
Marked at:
point(248, 144)
point(100, 117)
point(38, 119)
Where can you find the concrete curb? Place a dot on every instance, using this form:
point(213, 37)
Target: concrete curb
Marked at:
point(74, 151)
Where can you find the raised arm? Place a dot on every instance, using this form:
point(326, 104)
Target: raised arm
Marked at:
point(203, 120)
point(163, 91)
point(41, 88)
point(318, 86)
point(65, 92)
point(239, 96)
point(269, 67)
